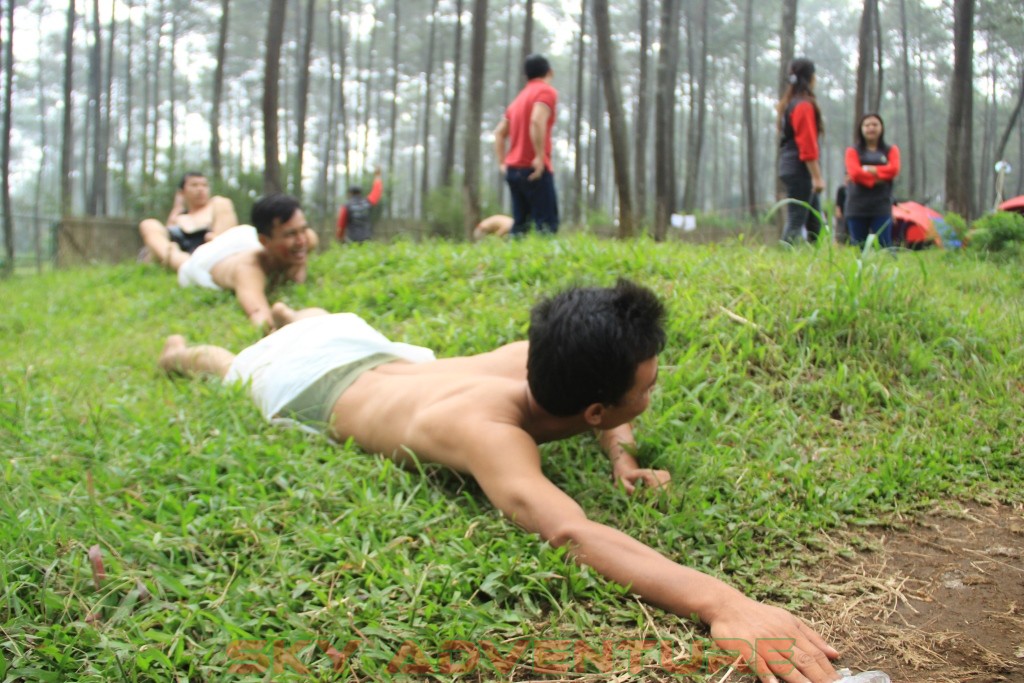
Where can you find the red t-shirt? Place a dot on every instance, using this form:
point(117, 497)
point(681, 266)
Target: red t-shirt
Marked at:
point(805, 126)
point(521, 152)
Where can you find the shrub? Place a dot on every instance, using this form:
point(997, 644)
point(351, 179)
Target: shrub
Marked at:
point(1000, 232)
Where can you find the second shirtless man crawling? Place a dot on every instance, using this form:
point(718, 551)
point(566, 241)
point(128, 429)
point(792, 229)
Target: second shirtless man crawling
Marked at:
point(590, 363)
point(247, 259)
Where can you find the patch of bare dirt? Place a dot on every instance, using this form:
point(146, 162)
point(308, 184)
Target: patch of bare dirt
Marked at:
point(940, 600)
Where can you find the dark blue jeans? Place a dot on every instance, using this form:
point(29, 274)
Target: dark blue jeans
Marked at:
point(862, 226)
point(797, 216)
point(532, 199)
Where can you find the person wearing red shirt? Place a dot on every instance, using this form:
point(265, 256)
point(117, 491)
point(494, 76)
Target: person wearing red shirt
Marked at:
point(800, 124)
point(354, 224)
point(871, 167)
point(526, 165)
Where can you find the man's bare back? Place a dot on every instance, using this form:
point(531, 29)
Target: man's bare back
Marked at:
point(429, 409)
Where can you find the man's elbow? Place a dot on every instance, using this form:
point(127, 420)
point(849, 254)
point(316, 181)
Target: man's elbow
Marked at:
point(564, 532)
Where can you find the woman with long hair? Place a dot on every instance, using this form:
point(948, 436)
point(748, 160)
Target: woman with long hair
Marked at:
point(871, 167)
point(800, 125)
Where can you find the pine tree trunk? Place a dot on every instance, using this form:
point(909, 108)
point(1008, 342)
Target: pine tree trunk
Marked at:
point(576, 206)
point(616, 116)
point(787, 46)
point(218, 88)
point(303, 98)
point(427, 106)
point(172, 89)
point(474, 117)
point(750, 133)
point(108, 105)
point(698, 104)
point(959, 153)
point(642, 114)
point(664, 119)
point(527, 37)
point(908, 99)
point(271, 76)
point(67, 136)
point(327, 136)
point(95, 114)
point(453, 113)
point(596, 174)
point(5, 155)
point(342, 100)
point(128, 112)
point(396, 57)
point(865, 61)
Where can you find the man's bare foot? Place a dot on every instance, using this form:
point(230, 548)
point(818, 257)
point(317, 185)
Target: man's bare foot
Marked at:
point(282, 314)
point(171, 355)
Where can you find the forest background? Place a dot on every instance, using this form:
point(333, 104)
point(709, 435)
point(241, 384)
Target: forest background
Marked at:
point(664, 105)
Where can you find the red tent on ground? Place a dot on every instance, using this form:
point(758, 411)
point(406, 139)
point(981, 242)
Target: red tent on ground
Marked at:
point(1015, 204)
point(916, 223)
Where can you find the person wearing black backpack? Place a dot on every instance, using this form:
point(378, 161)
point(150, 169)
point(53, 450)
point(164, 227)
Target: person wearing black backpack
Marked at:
point(354, 223)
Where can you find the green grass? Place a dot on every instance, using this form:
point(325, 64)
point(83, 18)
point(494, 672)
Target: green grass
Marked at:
point(855, 390)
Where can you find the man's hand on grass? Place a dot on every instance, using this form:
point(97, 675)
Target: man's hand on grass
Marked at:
point(630, 476)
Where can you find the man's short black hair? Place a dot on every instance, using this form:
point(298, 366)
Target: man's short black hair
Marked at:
point(587, 342)
point(355, 190)
point(187, 175)
point(273, 210)
point(537, 66)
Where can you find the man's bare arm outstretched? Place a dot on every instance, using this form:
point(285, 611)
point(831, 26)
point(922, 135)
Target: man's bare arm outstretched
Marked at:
point(506, 463)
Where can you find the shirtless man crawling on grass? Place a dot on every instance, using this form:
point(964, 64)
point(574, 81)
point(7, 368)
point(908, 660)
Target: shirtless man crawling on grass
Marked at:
point(247, 258)
point(590, 364)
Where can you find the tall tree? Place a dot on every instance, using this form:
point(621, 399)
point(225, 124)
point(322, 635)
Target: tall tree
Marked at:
point(577, 126)
point(105, 123)
point(865, 60)
point(787, 40)
point(271, 75)
point(95, 108)
point(616, 115)
point(127, 112)
point(474, 117)
point(8, 45)
point(67, 150)
point(908, 101)
point(302, 104)
point(453, 110)
point(642, 113)
point(396, 56)
point(343, 116)
point(595, 171)
point(172, 89)
point(218, 88)
point(787, 48)
point(959, 152)
point(664, 119)
point(328, 134)
point(427, 106)
point(698, 105)
point(750, 186)
point(527, 35)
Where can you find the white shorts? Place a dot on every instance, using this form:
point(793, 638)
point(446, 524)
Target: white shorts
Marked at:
point(283, 365)
point(196, 270)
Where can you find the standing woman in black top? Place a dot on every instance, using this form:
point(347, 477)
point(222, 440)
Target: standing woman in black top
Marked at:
point(800, 125)
point(871, 167)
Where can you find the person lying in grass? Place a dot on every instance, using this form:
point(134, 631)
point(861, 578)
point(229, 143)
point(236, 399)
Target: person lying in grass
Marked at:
point(590, 363)
point(246, 258)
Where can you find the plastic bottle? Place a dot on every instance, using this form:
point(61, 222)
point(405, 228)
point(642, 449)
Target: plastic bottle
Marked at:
point(863, 677)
